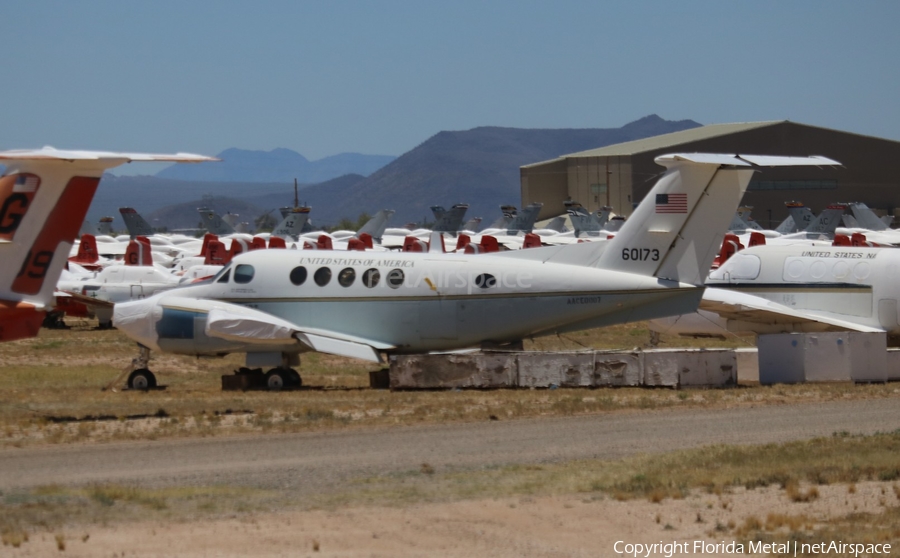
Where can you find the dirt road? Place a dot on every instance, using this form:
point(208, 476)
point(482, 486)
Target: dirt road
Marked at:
point(318, 462)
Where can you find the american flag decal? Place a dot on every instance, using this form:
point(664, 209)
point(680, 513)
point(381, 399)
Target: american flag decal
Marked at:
point(26, 183)
point(671, 203)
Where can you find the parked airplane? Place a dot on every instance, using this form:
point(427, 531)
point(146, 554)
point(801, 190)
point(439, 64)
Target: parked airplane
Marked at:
point(273, 307)
point(779, 289)
point(44, 197)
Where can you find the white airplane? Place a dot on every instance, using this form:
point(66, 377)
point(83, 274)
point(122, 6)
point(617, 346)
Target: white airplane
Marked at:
point(275, 305)
point(780, 289)
point(44, 197)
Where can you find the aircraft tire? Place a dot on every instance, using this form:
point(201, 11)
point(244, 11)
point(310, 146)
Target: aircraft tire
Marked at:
point(276, 379)
point(294, 378)
point(141, 379)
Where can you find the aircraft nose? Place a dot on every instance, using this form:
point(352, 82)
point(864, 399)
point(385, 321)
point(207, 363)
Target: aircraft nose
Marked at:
point(137, 319)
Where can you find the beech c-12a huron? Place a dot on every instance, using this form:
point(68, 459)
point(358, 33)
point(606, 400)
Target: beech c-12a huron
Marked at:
point(275, 304)
point(44, 197)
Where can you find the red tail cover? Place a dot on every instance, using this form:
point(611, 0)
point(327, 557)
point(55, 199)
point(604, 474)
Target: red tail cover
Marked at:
point(87, 250)
point(413, 244)
point(258, 244)
point(757, 239)
point(277, 242)
point(356, 244)
point(216, 254)
point(324, 242)
point(61, 226)
point(206, 238)
point(138, 252)
point(532, 241)
point(462, 241)
point(238, 246)
point(366, 239)
point(841, 240)
point(490, 244)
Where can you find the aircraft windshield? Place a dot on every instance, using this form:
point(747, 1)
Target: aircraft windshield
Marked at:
point(221, 272)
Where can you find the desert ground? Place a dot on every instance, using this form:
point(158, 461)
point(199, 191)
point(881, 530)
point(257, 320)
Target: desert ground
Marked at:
point(341, 470)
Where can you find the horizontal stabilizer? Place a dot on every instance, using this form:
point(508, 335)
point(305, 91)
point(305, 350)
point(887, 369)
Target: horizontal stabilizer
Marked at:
point(51, 153)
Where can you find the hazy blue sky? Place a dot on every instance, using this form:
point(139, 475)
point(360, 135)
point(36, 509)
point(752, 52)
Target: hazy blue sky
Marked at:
point(381, 77)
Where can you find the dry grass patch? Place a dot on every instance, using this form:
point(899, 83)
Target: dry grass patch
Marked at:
point(50, 392)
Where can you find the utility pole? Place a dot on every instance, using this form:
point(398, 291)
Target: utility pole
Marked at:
point(296, 201)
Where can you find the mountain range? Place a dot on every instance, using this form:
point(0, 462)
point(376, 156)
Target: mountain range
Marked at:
point(278, 165)
point(478, 166)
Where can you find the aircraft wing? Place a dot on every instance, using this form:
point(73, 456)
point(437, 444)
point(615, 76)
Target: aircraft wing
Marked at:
point(88, 300)
point(239, 323)
point(734, 305)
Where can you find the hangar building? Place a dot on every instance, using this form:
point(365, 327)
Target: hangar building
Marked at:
point(621, 175)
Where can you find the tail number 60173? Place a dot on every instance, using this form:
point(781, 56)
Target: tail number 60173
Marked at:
point(640, 254)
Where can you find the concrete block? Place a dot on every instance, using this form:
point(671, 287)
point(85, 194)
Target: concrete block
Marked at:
point(452, 371)
point(747, 365)
point(893, 365)
point(823, 357)
point(690, 368)
point(617, 369)
point(560, 369)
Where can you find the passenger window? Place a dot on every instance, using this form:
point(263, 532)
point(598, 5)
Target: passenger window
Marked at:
point(485, 281)
point(225, 276)
point(243, 273)
point(346, 277)
point(371, 277)
point(298, 275)
point(322, 276)
point(395, 278)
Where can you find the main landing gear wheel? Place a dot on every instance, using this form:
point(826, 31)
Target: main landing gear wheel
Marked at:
point(276, 379)
point(294, 378)
point(280, 378)
point(141, 379)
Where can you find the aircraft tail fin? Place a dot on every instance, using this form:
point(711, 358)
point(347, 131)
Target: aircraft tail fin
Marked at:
point(557, 224)
point(867, 218)
point(828, 220)
point(451, 219)
point(87, 250)
point(105, 225)
point(214, 223)
point(376, 226)
point(803, 217)
point(676, 231)
point(292, 223)
point(472, 224)
point(135, 224)
point(524, 221)
point(88, 228)
point(44, 197)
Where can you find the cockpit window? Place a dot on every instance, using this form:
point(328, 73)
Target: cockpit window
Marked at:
point(223, 274)
point(243, 273)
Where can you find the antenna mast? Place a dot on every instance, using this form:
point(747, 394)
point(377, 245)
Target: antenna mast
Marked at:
point(296, 202)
